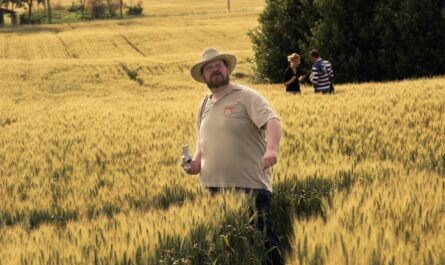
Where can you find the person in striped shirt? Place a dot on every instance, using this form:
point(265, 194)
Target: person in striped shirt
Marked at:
point(322, 74)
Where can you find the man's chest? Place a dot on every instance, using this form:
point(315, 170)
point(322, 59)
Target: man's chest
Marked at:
point(225, 118)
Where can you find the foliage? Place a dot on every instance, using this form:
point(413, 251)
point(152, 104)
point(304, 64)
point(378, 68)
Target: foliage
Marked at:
point(365, 41)
point(135, 10)
point(284, 28)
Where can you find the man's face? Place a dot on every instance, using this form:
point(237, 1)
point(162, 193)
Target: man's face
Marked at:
point(314, 59)
point(215, 74)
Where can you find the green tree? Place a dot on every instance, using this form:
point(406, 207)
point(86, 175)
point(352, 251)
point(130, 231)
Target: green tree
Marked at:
point(11, 4)
point(421, 33)
point(364, 40)
point(284, 28)
point(384, 26)
point(410, 37)
point(29, 3)
point(344, 36)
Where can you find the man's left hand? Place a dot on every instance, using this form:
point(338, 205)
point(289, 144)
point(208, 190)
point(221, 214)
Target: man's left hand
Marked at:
point(270, 158)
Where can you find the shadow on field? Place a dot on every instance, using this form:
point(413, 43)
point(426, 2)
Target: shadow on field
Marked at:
point(235, 241)
point(54, 214)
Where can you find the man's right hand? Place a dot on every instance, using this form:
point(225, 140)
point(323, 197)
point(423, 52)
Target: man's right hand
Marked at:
point(194, 169)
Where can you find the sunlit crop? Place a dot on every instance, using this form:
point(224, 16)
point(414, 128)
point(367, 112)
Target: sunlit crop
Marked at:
point(93, 116)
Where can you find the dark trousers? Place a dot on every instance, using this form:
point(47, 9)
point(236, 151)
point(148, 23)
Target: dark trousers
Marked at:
point(263, 205)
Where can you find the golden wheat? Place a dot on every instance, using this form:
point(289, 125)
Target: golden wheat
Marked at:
point(93, 115)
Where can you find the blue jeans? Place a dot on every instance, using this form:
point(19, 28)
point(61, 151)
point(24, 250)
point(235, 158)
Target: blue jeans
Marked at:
point(263, 205)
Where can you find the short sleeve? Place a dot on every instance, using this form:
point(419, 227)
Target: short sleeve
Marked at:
point(257, 107)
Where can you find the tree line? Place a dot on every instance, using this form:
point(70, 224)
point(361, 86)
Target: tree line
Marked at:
point(374, 40)
point(86, 9)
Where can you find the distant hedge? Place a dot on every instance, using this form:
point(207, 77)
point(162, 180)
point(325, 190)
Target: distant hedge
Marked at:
point(365, 40)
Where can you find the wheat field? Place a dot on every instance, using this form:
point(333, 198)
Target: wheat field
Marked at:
point(93, 116)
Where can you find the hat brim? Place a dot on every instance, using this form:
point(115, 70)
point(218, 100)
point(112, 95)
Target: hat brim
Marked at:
point(196, 70)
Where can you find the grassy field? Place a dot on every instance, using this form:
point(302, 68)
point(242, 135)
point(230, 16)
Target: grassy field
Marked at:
point(93, 116)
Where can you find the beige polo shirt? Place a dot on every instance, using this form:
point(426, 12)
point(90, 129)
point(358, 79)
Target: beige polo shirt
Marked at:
point(232, 140)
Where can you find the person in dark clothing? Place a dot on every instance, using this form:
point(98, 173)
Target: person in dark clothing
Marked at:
point(293, 75)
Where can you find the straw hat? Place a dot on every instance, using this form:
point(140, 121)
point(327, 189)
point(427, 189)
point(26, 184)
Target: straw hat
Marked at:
point(209, 55)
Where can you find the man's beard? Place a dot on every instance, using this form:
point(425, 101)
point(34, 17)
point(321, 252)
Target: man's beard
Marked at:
point(217, 80)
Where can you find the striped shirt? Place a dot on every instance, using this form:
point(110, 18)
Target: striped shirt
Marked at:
point(322, 73)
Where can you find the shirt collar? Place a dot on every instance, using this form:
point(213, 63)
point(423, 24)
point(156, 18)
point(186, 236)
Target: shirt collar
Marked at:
point(232, 88)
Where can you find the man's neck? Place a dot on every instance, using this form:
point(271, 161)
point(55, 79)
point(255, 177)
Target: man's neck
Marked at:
point(219, 92)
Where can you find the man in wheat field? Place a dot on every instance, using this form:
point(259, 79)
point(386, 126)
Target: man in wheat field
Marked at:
point(231, 150)
point(322, 74)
